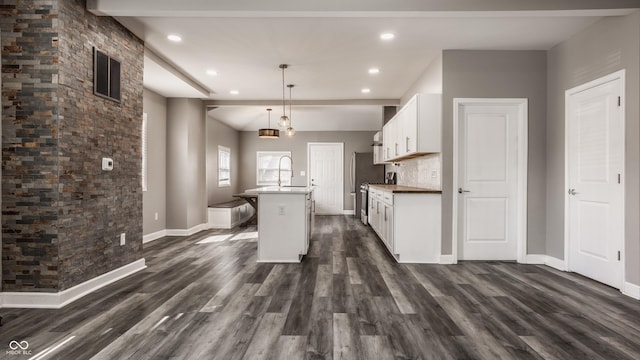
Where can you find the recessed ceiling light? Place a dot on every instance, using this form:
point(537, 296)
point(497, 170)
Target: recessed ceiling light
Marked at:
point(374, 71)
point(387, 36)
point(234, 92)
point(212, 72)
point(366, 90)
point(174, 38)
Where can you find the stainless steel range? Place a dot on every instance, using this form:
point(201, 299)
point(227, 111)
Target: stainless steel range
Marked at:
point(364, 207)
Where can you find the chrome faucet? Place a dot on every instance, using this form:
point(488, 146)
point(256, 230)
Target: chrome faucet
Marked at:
point(280, 168)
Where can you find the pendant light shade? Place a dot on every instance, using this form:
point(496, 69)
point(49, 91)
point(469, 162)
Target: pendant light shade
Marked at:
point(290, 130)
point(269, 133)
point(284, 119)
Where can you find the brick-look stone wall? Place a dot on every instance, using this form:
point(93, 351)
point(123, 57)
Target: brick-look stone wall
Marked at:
point(29, 145)
point(87, 207)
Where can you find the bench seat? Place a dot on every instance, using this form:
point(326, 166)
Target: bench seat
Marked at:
point(228, 214)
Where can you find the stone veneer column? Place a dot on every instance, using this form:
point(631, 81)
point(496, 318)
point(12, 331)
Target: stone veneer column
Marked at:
point(61, 214)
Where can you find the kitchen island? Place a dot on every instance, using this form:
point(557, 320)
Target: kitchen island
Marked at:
point(286, 218)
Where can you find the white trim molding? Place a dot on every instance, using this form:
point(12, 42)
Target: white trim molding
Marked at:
point(631, 290)
point(186, 232)
point(154, 236)
point(550, 261)
point(348, 212)
point(65, 297)
point(447, 259)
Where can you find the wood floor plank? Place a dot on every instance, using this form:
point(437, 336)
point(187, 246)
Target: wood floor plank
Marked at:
point(376, 347)
point(346, 338)
point(320, 338)
point(289, 347)
point(265, 337)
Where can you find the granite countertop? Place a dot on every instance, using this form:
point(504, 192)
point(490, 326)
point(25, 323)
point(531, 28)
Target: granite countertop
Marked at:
point(400, 189)
point(281, 190)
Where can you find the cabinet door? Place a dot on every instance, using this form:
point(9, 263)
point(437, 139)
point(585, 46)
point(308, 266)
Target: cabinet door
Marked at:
point(394, 131)
point(371, 209)
point(388, 227)
point(409, 138)
point(387, 141)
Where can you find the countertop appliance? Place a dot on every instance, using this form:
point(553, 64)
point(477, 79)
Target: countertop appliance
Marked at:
point(363, 171)
point(392, 178)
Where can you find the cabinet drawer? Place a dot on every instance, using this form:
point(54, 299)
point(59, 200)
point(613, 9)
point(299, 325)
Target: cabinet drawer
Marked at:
point(387, 197)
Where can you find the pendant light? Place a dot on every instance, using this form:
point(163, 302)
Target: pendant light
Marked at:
point(290, 130)
point(284, 119)
point(269, 133)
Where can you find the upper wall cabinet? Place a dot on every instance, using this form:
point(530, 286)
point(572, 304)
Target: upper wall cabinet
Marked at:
point(415, 130)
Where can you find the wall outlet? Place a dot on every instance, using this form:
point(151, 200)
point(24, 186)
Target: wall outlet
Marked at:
point(156, 216)
point(434, 174)
point(123, 238)
point(282, 210)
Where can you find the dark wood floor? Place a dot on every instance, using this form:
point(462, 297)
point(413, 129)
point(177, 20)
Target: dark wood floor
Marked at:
point(347, 300)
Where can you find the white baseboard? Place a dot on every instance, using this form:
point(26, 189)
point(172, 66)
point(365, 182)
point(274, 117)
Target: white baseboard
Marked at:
point(348, 212)
point(154, 236)
point(556, 263)
point(546, 260)
point(186, 232)
point(535, 259)
point(62, 298)
point(446, 259)
point(631, 290)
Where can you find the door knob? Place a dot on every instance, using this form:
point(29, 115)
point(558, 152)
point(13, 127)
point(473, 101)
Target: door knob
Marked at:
point(461, 190)
point(573, 192)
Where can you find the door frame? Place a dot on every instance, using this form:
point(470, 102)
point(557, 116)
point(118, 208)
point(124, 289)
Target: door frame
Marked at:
point(309, 144)
point(523, 150)
point(621, 75)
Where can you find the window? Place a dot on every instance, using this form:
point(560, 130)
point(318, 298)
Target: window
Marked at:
point(267, 167)
point(144, 152)
point(106, 75)
point(224, 166)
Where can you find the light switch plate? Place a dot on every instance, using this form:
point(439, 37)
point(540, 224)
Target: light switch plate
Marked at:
point(107, 164)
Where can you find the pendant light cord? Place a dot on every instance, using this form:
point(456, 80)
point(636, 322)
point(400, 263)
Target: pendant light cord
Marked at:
point(284, 110)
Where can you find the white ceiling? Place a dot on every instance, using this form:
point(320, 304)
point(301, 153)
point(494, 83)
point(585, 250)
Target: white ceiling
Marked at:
point(329, 55)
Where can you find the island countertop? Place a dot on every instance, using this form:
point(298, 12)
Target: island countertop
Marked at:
point(281, 190)
point(399, 189)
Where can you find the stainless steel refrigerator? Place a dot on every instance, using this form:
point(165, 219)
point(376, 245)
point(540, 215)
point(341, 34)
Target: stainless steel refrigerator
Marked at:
point(363, 171)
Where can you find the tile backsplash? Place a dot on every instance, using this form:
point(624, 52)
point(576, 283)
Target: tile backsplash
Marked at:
point(424, 171)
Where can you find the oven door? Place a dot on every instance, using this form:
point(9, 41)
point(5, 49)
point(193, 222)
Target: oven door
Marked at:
point(364, 206)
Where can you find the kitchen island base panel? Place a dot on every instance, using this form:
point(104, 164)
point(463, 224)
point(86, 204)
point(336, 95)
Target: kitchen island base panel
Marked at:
point(285, 225)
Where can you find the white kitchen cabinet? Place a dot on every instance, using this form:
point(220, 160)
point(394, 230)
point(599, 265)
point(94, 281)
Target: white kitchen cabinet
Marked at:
point(390, 141)
point(408, 223)
point(416, 129)
point(378, 149)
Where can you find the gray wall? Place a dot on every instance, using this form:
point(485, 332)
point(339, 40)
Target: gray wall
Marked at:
point(430, 82)
point(221, 134)
point(154, 199)
point(607, 46)
point(354, 141)
point(186, 165)
point(498, 74)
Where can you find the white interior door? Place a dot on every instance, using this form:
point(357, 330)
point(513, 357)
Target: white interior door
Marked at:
point(326, 174)
point(595, 154)
point(488, 196)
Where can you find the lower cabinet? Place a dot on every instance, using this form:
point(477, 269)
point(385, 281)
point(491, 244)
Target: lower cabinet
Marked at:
point(408, 224)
